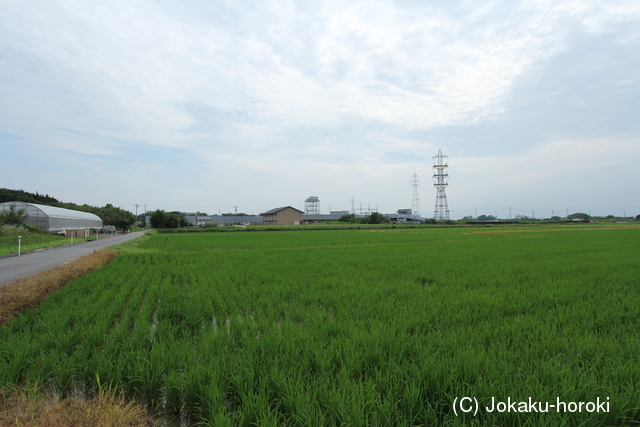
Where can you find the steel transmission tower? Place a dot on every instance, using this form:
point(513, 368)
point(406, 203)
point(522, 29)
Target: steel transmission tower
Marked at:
point(440, 176)
point(415, 202)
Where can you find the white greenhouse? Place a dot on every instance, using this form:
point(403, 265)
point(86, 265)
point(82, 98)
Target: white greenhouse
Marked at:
point(54, 219)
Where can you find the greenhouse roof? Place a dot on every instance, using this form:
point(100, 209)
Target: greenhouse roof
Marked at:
point(54, 212)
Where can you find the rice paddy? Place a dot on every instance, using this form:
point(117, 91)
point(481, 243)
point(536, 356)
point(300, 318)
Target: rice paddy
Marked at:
point(349, 327)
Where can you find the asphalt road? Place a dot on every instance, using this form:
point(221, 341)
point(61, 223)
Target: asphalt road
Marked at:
point(17, 267)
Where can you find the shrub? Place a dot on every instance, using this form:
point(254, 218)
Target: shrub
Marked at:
point(13, 216)
point(34, 229)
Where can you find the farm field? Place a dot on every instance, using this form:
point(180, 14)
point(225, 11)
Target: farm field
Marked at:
point(375, 327)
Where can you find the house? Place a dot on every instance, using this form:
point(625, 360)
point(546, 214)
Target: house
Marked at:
point(286, 215)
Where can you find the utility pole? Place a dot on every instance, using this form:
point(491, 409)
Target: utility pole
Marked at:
point(353, 205)
point(137, 219)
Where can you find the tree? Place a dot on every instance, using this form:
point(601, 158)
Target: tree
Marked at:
point(7, 195)
point(13, 216)
point(111, 215)
point(162, 219)
point(348, 218)
point(172, 221)
point(180, 219)
point(159, 219)
point(637, 217)
point(377, 218)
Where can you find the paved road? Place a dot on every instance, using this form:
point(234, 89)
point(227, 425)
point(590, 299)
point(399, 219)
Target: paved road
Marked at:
point(17, 267)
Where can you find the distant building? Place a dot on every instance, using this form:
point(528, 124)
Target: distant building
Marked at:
point(223, 220)
point(404, 216)
point(286, 215)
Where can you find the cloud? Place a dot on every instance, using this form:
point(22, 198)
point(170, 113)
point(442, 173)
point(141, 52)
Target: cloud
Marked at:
point(8, 136)
point(337, 97)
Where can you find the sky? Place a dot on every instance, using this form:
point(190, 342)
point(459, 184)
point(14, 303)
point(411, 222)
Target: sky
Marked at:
point(223, 106)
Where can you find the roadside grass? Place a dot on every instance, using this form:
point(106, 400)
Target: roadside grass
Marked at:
point(30, 240)
point(30, 291)
point(133, 246)
point(32, 406)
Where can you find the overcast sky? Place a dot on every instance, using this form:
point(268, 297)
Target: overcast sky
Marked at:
point(212, 105)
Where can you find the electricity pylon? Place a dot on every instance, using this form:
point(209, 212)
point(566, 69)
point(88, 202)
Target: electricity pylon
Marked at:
point(440, 175)
point(415, 202)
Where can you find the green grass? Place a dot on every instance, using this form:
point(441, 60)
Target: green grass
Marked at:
point(353, 327)
point(30, 240)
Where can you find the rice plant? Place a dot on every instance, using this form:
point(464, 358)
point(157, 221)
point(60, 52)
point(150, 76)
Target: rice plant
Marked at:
point(349, 327)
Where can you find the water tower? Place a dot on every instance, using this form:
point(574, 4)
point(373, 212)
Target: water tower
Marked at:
point(312, 205)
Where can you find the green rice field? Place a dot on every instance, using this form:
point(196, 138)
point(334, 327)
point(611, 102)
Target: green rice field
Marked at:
point(374, 327)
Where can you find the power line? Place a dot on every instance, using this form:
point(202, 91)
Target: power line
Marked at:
point(533, 78)
point(508, 90)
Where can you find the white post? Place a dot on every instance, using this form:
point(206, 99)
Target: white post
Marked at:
point(19, 244)
point(72, 238)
